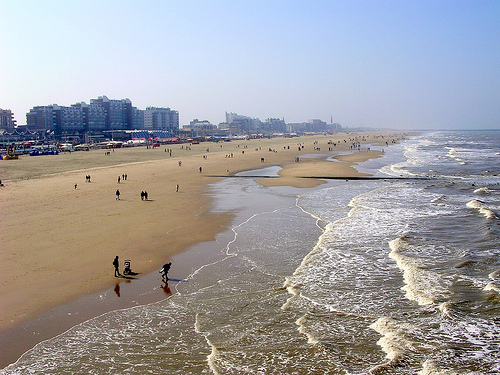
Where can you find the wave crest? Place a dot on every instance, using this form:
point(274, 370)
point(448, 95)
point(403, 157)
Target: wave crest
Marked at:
point(480, 206)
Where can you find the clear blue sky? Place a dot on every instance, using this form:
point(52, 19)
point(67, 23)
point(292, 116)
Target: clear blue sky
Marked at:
point(400, 64)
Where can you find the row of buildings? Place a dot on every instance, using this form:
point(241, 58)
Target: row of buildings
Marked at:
point(102, 114)
point(107, 118)
point(238, 124)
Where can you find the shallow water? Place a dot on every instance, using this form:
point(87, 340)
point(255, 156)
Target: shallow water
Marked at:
point(395, 277)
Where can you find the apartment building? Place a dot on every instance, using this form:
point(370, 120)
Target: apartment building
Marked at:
point(118, 112)
point(161, 119)
point(102, 114)
point(7, 121)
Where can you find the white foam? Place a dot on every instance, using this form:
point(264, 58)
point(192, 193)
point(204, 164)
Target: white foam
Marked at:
point(445, 309)
point(293, 290)
point(482, 191)
point(430, 367)
point(476, 203)
point(214, 353)
point(455, 154)
point(452, 152)
point(302, 329)
point(492, 287)
point(393, 341)
point(212, 360)
point(438, 199)
point(482, 208)
point(414, 276)
point(494, 274)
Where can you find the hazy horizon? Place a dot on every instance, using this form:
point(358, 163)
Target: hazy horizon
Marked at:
point(390, 64)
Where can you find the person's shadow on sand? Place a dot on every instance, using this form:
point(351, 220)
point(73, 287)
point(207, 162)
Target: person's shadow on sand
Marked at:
point(128, 277)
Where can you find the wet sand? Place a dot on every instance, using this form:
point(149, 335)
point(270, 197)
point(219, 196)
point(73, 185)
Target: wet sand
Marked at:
point(58, 241)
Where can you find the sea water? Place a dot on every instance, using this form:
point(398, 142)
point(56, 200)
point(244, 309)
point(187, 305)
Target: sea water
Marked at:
point(396, 276)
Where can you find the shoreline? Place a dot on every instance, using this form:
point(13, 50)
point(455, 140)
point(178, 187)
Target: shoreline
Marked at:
point(196, 205)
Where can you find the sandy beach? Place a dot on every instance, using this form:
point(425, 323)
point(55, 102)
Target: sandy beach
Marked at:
point(59, 233)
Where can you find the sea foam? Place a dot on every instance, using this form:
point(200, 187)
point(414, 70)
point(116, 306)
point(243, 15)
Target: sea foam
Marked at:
point(417, 279)
point(482, 208)
point(482, 191)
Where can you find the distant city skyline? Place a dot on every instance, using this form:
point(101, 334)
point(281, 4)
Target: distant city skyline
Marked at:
point(392, 64)
point(148, 112)
point(105, 114)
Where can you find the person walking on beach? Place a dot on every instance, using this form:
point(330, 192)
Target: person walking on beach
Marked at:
point(142, 195)
point(164, 271)
point(116, 264)
point(117, 194)
point(177, 188)
point(145, 195)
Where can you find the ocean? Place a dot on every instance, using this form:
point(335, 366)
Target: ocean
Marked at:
point(386, 276)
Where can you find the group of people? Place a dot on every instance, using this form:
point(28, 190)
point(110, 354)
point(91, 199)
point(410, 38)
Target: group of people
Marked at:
point(87, 179)
point(163, 271)
point(122, 177)
point(144, 194)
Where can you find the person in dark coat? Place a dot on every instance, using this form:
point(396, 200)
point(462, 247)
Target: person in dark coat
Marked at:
point(164, 271)
point(116, 264)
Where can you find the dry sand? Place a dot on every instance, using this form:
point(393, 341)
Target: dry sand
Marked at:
point(58, 242)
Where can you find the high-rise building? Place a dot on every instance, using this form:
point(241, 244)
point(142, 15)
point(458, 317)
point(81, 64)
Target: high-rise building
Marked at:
point(69, 119)
point(239, 123)
point(274, 125)
point(118, 112)
point(137, 118)
point(7, 121)
point(245, 124)
point(94, 116)
point(41, 119)
point(56, 118)
point(161, 119)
